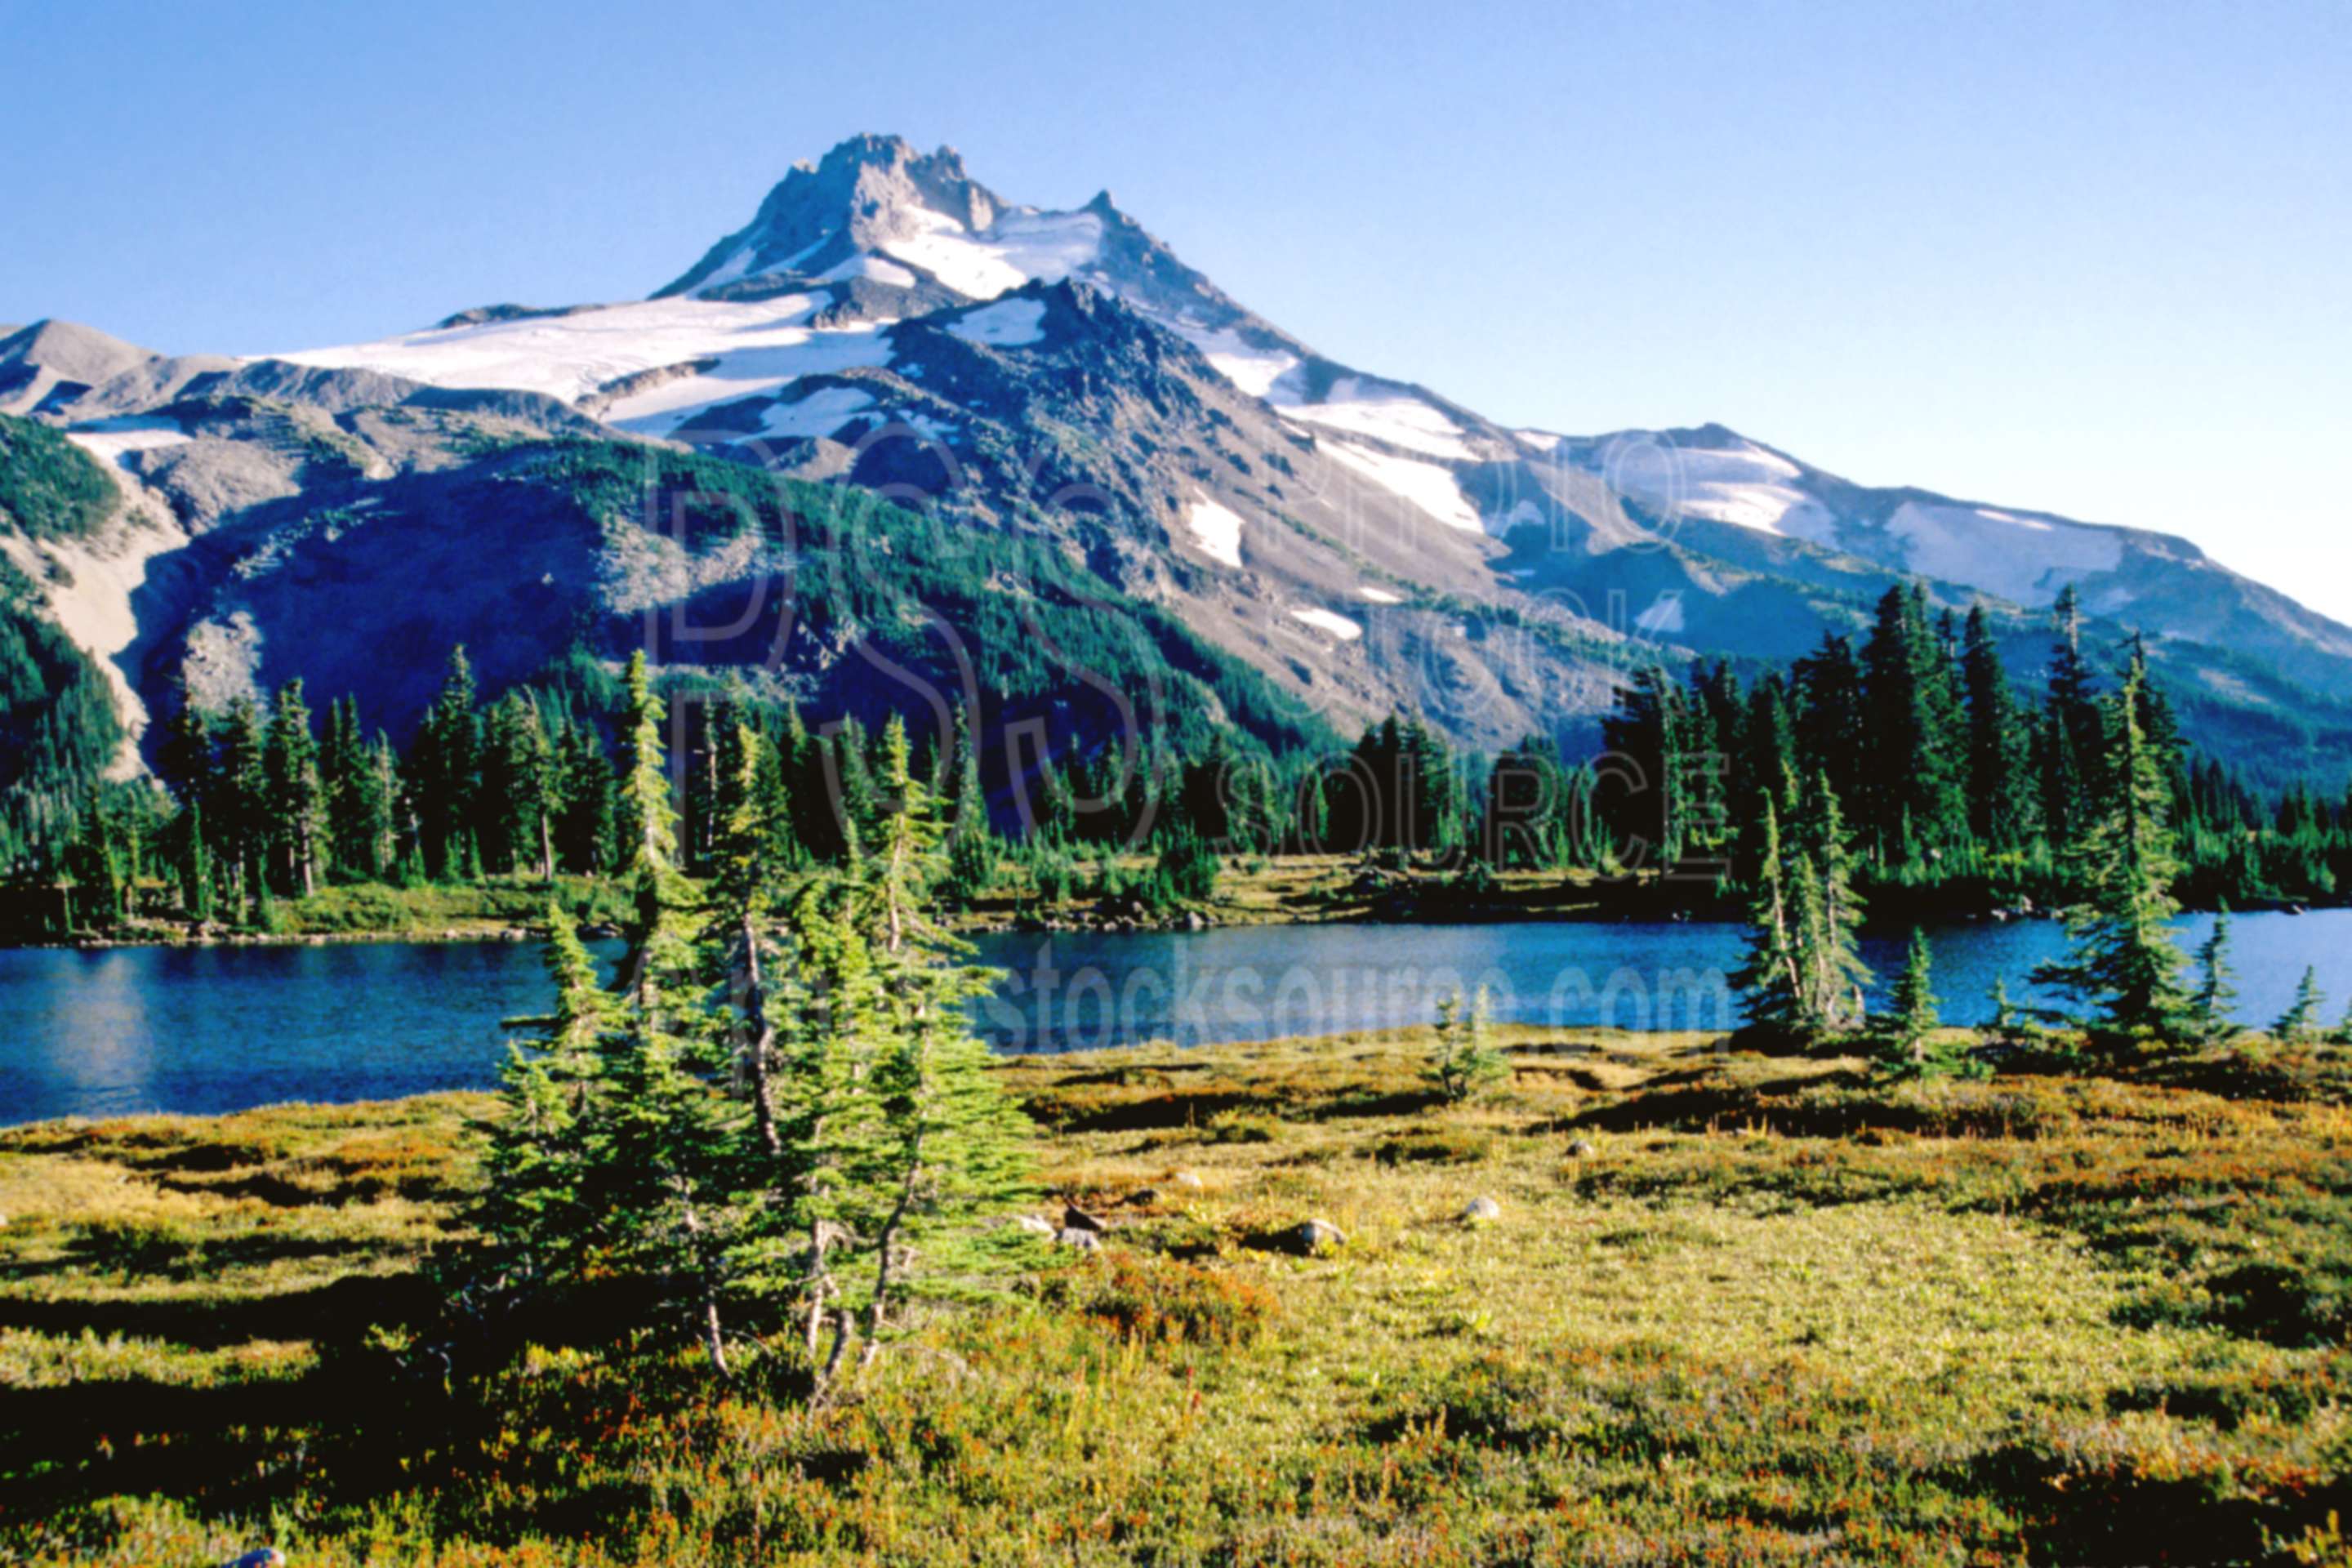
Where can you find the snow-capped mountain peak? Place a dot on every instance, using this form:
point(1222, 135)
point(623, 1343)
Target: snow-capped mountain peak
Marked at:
point(869, 292)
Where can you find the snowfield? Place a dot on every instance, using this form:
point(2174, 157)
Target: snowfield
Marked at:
point(821, 413)
point(568, 357)
point(1664, 616)
point(1017, 248)
point(2025, 560)
point(111, 440)
point(1257, 371)
point(1384, 432)
point(1217, 529)
point(1428, 488)
point(1007, 324)
point(1385, 412)
point(1745, 486)
point(1323, 620)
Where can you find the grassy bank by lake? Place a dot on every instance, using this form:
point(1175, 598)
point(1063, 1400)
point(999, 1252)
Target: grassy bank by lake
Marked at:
point(1273, 890)
point(1736, 1308)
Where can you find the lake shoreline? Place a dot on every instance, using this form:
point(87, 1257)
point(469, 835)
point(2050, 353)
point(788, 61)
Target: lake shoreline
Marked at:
point(1638, 904)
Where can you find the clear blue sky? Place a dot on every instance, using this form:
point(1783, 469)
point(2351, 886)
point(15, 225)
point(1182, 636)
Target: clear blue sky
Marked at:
point(2091, 258)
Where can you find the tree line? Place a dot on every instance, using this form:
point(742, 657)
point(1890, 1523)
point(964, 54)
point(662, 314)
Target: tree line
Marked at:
point(1954, 785)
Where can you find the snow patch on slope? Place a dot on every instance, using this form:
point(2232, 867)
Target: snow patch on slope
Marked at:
point(1664, 616)
point(1427, 487)
point(1388, 415)
point(1371, 596)
point(751, 373)
point(1257, 371)
point(2023, 559)
point(821, 413)
point(568, 357)
point(1217, 529)
point(1323, 620)
point(111, 440)
point(1744, 486)
point(1017, 248)
point(1007, 324)
point(872, 268)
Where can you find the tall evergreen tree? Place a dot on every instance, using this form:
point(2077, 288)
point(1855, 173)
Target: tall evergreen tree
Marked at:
point(295, 808)
point(1770, 981)
point(244, 790)
point(2210, 1003)
point(2000, 792)
point(2122, 962)
point(444, 770)
point(1828, 909)
point(951, 1144)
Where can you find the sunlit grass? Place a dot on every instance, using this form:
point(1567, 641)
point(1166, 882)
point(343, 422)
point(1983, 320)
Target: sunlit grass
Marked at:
point(1736, 1309)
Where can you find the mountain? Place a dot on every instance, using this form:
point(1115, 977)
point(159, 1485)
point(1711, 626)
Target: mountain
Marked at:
point(1337, 543)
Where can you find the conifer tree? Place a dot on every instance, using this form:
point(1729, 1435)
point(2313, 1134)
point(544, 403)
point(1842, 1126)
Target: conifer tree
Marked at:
point(523, 787)
point(1645, 738)
point(2122, 959)
point(2299, 1025)
point(2077, 746)
point(2211, 1002)
point(195, 863)
point(444, 770)
point(1998, 792)
point(737, 934)
point(244, 789)
point(537, 1204)
point(585, 820)
point(949, 1144)
point(1828, 909)
point(971, 844)
point(1769, 981)
point(296, 801)
point(1832, 736)
point(1466, 1062)
point(1903, 1033)
point(1907, 686)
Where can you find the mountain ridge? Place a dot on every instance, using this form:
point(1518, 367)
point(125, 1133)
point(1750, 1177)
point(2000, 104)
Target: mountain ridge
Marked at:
point(887, 322)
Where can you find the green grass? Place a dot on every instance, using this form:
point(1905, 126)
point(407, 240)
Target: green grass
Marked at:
point(1776, 1314)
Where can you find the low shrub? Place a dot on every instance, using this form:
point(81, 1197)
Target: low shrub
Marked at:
point(1435, 1146)
point(1239, 1126)
point(1164, 1300)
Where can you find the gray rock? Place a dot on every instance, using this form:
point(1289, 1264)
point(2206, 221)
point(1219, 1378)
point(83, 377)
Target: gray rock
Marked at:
point(1578, 1148)
point(1031, 1224)
point(1187, 1180)
point(1481, 1211)
point(1084, 1240)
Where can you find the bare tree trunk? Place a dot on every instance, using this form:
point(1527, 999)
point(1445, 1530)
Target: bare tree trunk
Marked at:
point(762, 1035)
point(713, 1342)
point(842, 1322)
point(887, 1249)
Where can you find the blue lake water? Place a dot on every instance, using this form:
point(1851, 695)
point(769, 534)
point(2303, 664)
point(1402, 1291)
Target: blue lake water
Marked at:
point(210, 1029)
